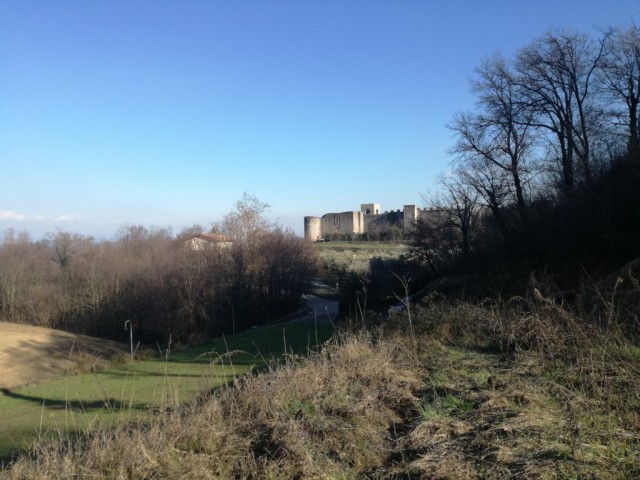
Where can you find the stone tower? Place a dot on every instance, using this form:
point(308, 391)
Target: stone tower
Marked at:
point(312, 229)
point(410, 217)
point(370, 208)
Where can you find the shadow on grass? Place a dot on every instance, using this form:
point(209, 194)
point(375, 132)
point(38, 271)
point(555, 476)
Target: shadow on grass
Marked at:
point(107, 403)
point(211, 360)
point(146, 373)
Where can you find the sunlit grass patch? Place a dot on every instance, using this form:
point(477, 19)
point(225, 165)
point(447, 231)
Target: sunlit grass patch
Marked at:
point(330, 414)
point(127, 389)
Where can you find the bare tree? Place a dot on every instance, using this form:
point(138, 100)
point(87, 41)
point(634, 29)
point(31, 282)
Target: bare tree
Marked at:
point(500, 134)
point(245, 225)
point(556, 73)
point(493, 187)
point(459, 205)
point(620, 80)
point(13, 272)
point(287, 263)
point(144, 243)
point(246, 221)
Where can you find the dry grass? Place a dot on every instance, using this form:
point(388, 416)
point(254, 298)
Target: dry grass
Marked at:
point(519, 389)
point(527, 388)
point(331, 415)
point(31, 354)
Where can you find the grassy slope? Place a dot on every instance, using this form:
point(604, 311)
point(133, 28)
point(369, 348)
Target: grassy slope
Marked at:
point(482, 416)
point(401, 407)
point(30, 354)
point(524, 389)
point(123, 390)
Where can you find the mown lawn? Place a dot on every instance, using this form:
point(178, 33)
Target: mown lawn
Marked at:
point(144, 387)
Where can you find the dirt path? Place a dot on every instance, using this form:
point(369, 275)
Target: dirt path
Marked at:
point(33, 354)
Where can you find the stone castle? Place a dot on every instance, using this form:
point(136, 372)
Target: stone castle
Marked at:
point(367, 220)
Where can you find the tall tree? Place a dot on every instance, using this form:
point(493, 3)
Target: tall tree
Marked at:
point(247, 220)
point(620, 80)
point(500, 135)
point(556, 73)
point(245, 225)
point(287, 263)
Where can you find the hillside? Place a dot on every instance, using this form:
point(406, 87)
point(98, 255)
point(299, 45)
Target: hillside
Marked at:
point(31, 354)
point(524, 389)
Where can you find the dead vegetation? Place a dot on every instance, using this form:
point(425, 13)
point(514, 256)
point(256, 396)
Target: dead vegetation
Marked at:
point(523, 388)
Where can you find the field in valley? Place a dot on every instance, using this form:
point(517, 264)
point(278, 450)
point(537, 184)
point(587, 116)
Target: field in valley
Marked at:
point(355, 256)
point(54, 383)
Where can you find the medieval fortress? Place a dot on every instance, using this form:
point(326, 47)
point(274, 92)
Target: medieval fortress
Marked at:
point(367, 220)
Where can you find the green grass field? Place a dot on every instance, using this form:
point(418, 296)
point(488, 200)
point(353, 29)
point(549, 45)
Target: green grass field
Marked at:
point(341, 257)
point(142, 388)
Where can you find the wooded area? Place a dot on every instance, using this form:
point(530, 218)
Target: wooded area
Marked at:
point(153, 278)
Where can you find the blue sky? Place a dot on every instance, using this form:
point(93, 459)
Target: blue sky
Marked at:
point(163, 113)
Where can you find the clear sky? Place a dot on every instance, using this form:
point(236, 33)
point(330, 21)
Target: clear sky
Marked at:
point(162, 113)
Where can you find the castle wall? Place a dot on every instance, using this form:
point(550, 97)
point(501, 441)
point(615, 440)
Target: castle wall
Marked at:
point(342, 223)
point(369, 221)
point(432, 215)
point(357, 223)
